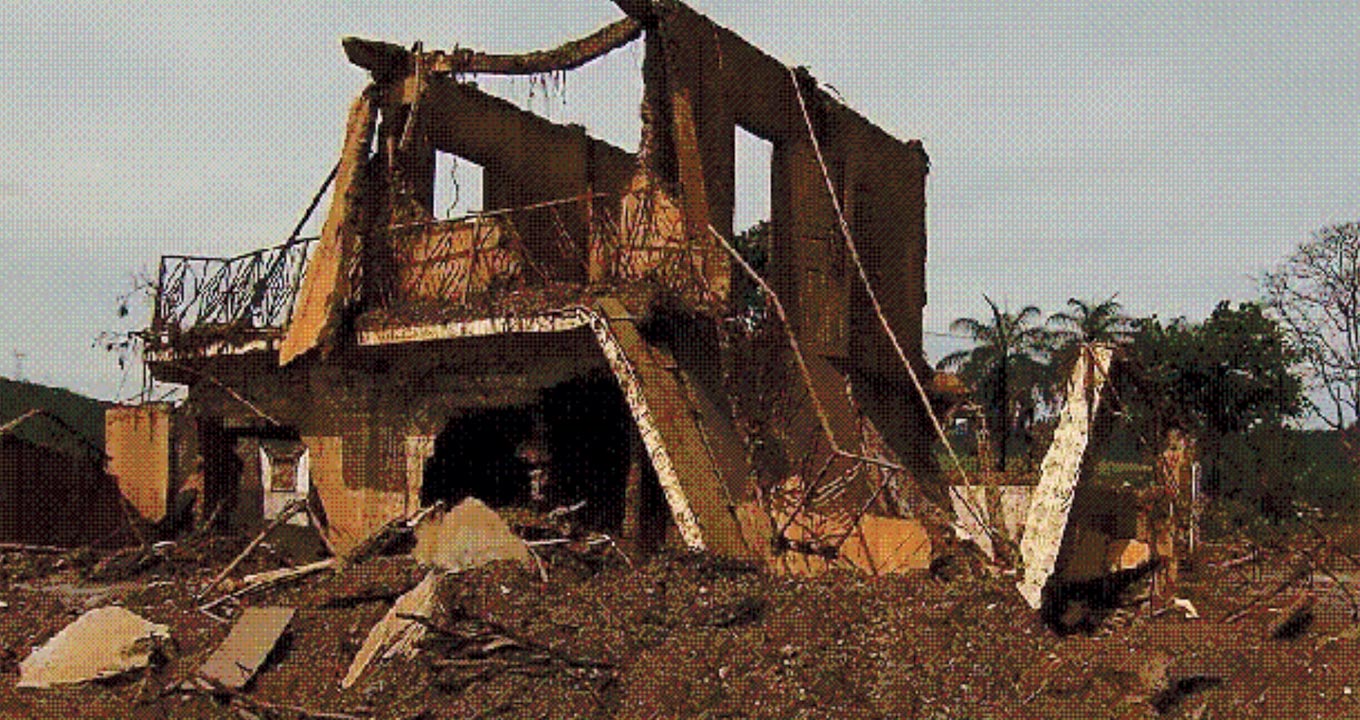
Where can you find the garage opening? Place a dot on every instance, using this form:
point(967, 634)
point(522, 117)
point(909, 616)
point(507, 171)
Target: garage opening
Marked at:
point(575, 444)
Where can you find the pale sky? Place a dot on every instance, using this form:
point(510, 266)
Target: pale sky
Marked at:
point(1166, 151)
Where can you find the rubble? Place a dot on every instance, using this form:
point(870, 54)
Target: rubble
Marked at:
point(679, 634)
point(100, 644)
point(468, 535)
point(290, 510)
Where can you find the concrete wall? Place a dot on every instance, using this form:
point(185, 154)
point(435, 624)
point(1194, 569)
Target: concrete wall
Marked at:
point(526, 160)
point(137, 439)
point(880, 181)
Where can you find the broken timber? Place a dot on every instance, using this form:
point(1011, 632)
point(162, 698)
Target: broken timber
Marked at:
point(1062, 470)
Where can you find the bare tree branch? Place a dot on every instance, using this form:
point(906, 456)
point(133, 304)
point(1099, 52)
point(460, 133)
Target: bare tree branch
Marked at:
point(1315, 293)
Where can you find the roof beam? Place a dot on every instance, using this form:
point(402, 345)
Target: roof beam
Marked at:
point(387, 60)
point(641, 10)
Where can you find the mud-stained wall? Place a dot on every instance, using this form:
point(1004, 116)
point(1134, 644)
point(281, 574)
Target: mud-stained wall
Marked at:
point(880, 184)
point(367, 416)
point(137, 439)
point(526, 160)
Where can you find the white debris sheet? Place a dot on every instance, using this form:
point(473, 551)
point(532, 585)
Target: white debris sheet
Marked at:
point(102, 643)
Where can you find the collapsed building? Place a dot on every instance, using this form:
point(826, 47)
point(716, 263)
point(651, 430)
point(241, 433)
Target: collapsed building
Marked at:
point(589, 337)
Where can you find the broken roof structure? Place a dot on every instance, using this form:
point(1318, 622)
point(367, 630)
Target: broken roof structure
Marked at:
point(586, 337)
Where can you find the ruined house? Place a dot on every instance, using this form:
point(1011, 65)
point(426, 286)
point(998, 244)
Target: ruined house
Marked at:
point(588, 336)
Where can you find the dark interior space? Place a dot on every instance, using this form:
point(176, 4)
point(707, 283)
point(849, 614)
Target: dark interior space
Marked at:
point(574, 445)
point(478, 454)
point(221, 470)
point(226, 498)
point(588, 428)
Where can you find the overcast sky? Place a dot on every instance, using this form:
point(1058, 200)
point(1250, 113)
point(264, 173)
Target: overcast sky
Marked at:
point(1166, 151)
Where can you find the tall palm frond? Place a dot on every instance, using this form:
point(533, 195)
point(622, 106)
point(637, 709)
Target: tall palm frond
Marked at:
point(1090, 322)
point(1002, 345)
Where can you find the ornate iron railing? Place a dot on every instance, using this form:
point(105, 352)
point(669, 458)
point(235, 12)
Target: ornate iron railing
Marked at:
point(251, 291)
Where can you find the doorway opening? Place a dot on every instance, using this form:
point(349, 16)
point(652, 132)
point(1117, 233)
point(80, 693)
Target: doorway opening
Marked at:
point(476, 456)
point(576, 444)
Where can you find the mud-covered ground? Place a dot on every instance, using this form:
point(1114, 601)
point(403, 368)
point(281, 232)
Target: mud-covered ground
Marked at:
point(691, 636)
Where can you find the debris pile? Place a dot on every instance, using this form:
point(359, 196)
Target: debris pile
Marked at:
point(573, 627)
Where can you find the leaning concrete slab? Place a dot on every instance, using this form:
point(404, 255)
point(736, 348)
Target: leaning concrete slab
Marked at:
point(326, 285)
point(975, 506)
point(251, 640)
point(680, 432)
point(1062, 470)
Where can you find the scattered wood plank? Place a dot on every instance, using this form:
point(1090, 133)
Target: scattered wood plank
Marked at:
point(1301, 573)
point(288, 511)
point(320, 531)
point(260, 581)
point(34, 549)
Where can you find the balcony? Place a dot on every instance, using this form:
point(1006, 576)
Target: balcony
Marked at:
point(541, 257)
point(243, 295)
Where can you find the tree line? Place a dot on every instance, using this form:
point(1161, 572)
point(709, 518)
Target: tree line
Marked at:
point(1236, 381)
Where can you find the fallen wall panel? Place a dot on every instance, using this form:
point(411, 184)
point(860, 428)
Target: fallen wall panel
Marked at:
point(674, 430)
point(1062, 470)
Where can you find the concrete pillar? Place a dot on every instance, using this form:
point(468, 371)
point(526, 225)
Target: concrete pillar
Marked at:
point(419, 449)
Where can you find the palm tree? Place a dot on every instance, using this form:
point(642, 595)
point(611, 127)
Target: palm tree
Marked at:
point(1006, 350)
point(1092, 322)
point(1086, 323)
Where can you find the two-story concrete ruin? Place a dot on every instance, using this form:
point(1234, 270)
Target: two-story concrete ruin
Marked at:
point(588, 335)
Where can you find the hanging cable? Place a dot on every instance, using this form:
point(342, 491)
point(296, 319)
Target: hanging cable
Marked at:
point(877, 306)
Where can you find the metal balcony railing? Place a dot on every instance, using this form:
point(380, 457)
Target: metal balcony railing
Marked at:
point(251, 291)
